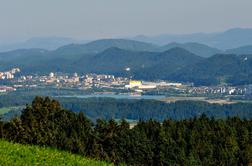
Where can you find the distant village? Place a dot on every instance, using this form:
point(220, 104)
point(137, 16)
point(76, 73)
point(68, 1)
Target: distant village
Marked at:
point(104, 81)
point(9, 74)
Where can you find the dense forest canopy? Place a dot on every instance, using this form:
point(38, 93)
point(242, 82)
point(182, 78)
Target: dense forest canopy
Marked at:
point(196, 141)
point(110, 108)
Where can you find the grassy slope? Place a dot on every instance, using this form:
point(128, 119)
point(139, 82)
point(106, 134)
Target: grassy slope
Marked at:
point(17, 154)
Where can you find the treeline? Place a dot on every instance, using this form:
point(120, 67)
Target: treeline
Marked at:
point(197, 141)
point(109, 108)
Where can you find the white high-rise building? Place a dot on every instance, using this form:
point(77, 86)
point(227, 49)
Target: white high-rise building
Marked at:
point(75, 75)
point(9, 76)
point(51, 75)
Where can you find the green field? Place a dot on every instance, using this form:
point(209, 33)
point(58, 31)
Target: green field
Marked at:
point(17, 154)
point(4, 110)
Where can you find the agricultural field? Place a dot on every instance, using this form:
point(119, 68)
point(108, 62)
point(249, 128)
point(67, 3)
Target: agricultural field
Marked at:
point(21, 155)
point(205, 99)
point(4, 110)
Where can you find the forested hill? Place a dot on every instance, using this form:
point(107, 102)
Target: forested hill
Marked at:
point(195, 48)
point(221, 68)
point(198, 141)
point(112, 56)
point(244, 50)
point(166, 63)
point(143, 65)
point(103, 44)
point(111, 61)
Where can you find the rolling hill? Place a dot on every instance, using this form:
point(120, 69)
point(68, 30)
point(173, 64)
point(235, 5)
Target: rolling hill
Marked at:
point(244, 50)
point(101, 45)
point(222, 68)
point(196, 48)
point(111, 61)
point(166, 63)
point(144, 65)
point(48, 43)
point(21, 58)
point(229, 39)
point(115, 60)
point(146, 61)
point(22, 53)
point(73, 51)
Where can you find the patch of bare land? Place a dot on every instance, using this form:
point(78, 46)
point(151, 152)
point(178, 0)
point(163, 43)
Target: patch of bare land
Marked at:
point(212, 101)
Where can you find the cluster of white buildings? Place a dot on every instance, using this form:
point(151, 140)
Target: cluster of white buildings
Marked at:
point(227, 90)
point(74, 80)
point(89, 81)
point(143, 85)
point(103, 81)
point(53, 78)
point(6, 89)
point(9, 74)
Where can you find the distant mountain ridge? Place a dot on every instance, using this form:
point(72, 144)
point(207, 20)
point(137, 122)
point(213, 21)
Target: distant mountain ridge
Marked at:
point(147, 61)
point(244, 50)
point(98, 46)
point(144, 65)
point(229, 39)
point(48, 43)
point(101, 45)
point(110, 61)
point(196, 48)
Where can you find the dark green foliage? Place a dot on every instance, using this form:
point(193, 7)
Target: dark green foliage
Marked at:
point(108, 108)
point(110, 59)
point(166, 63)
point(42, 61)
point(231, 69)
point(46, 123)
point(198, 141)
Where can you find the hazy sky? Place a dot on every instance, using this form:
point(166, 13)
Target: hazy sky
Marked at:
point(89, 19)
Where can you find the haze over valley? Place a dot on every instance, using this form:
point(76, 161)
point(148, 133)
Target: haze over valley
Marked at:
point(153, 83)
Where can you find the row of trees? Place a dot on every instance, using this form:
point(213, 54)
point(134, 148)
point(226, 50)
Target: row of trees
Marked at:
point(109, 108)
point(198, 141)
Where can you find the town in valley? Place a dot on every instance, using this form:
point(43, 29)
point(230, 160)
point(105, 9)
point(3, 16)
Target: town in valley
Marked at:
point(13, 80)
